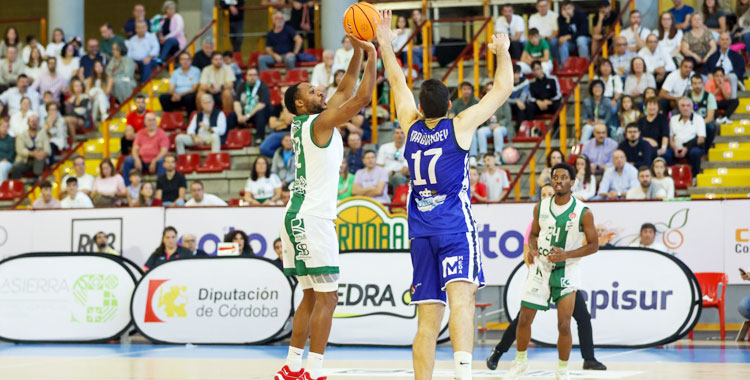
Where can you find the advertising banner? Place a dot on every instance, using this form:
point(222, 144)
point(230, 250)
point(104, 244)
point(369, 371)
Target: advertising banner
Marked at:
point(47, 297)
point(636, 298)
point(224, 300)
point(374, 296)
point(736, 238)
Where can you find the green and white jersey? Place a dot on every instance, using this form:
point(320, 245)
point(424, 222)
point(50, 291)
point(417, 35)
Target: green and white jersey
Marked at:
point(564, 230)
point(315, 187)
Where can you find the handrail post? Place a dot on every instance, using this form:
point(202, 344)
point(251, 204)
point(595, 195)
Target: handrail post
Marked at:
point(517, 190)
point(577, 110)
point(171, 68)
point(316, 18)
point(226, 28)
point(392, 103)
point(374, 121)
point(532, 175)
point(105, 134)
point(547, 143)
point(409, 62)
point(476, 67)
point(428, 52)
point(192, 49)
point(490, 55)
point(632, 5)
point(216, 26)
point(617, 29)
point(43, 31)
point(563, 130)
point(460, 70)
point(425, 8)
point(426, 56)
point(604, 50)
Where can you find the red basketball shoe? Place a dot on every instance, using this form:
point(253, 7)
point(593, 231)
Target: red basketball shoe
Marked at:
point(287, 374)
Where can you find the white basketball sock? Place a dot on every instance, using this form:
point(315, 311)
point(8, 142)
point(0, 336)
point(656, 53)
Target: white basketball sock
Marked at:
point(314, 365)
point(462, 360)
point(294, 358)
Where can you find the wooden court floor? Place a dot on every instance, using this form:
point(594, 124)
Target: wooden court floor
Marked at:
point(149, 362)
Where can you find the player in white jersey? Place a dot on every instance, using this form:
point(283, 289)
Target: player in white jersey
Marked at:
point(556, 244)
point(308, 237)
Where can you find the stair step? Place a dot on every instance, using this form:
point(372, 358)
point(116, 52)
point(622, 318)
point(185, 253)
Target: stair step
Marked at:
point(744, 107)
point(736, 129)
point(728, 139)
point(716, 180)
point(719, 196)
point(726, 171)
point(725, 164)
point(724, 190)
point(716, 154)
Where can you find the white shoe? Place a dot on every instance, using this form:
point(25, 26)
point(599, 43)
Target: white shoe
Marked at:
point(562, 374)
point(516, 370)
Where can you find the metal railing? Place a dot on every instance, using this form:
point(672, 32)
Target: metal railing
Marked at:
point(105, 133)
point(561, 115)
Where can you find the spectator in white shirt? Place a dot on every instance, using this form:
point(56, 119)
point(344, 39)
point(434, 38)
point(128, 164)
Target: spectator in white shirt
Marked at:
point(263, 187)
point(514, 26)
point(618, 179)
point(143, 48)
point(55, 47)
point(545, 21)
point(391, 157)
point(647, 189)
point(658, 61)
point(494, 179)
point(661, 177)
point(322, 74)
point(201, 198)
point(635, 34)
point(75, 198)
point(206, 127)
point(84, 181)
point(676, 85)
point(372, 180)
point(687, 134)
point(612, 83)
point(648, 239)
point(12, 96)
point(670, 37)
point(621, 57)
point(584, 187)
point(343, 55)
point(19, 121)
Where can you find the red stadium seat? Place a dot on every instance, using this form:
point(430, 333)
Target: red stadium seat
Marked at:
point(399, 197)
point(567, 85)
point(573, 67)
point(709, 283)
point(318, 53)
point(171, 121)
point(234, 202)
point(172, 145)
point(188, 162)
point(275, 97)
point(237, 57)
point(530, 131)
point(11, 189)
point(682, 176)
point(215, 163)
point(252, 59)
point(237, 139)
point(575, 151)
point(272, 78)
point(294, 76)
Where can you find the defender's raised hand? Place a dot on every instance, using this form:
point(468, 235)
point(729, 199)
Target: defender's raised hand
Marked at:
point(500, 42)
point(383, 30)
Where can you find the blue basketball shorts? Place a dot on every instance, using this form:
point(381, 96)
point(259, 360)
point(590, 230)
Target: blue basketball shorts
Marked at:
point(442, 259)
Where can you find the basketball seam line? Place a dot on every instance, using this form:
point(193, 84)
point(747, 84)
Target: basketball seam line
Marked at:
point(368, 19)
point(354, 21)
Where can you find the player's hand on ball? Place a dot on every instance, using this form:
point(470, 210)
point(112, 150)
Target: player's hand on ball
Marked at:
point(364, 45)
point(383, 30)
point(500, 42)
point(557, 255)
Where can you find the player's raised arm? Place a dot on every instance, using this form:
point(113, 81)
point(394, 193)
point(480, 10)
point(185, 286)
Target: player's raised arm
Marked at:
point(406, 108)
point(335, 116)
point(346, 88)
point(467, 121)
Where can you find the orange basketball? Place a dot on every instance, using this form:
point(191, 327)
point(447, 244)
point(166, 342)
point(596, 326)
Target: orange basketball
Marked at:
point(360, 20)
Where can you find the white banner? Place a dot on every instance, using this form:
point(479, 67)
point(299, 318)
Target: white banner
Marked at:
point(709, 236)
point(374, 295)
point(71, 298)
point(636, 297)
point(228, 300)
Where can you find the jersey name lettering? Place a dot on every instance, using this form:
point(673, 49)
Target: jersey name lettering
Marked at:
point(422, 139)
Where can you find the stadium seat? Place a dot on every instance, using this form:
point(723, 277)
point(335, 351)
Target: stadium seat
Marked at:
point(237, 139)
point(530, 131)
point(575, 151)
point(234, 202)
point(171, 121)
point(252, 59)
point(215, 163)
point(567, 85)
point(682, 176)
point(272, 78)
point(318, 53)
point(237, 57)
point(572, 67)
point(188, 162)
point(275, 97)
point(11, 189)
point(294, 76)
point(399, 197)
point(709, 283)
point(172, 137)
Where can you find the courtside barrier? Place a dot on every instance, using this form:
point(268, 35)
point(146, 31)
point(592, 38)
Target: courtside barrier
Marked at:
point(65, 297)
point(636, 298)
point(213, 300)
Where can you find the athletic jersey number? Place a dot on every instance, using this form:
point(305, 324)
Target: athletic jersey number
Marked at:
point(417, 157)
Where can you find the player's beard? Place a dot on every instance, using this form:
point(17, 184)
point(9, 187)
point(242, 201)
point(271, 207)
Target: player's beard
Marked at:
point(317, 108)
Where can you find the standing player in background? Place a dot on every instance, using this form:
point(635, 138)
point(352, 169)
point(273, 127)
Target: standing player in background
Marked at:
point(580, 314)
point(556, 244)
point(444, 248)
point(309, 242)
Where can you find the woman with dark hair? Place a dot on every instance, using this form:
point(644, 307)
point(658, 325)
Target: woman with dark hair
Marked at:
point(554, 157)
point(639, 79)
point(10, 38)
point(167, 250)
point(240, 237)
point(263, 187)
point(35, 65)
point(596, 107)
point(146, 196)
point(55, 47)
point(109, 187)
point(715, 17)
point(69, 64)
point(612, 82)
point(584, 187)
point(121, 69)
point(77, 108)
point(98, 87)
